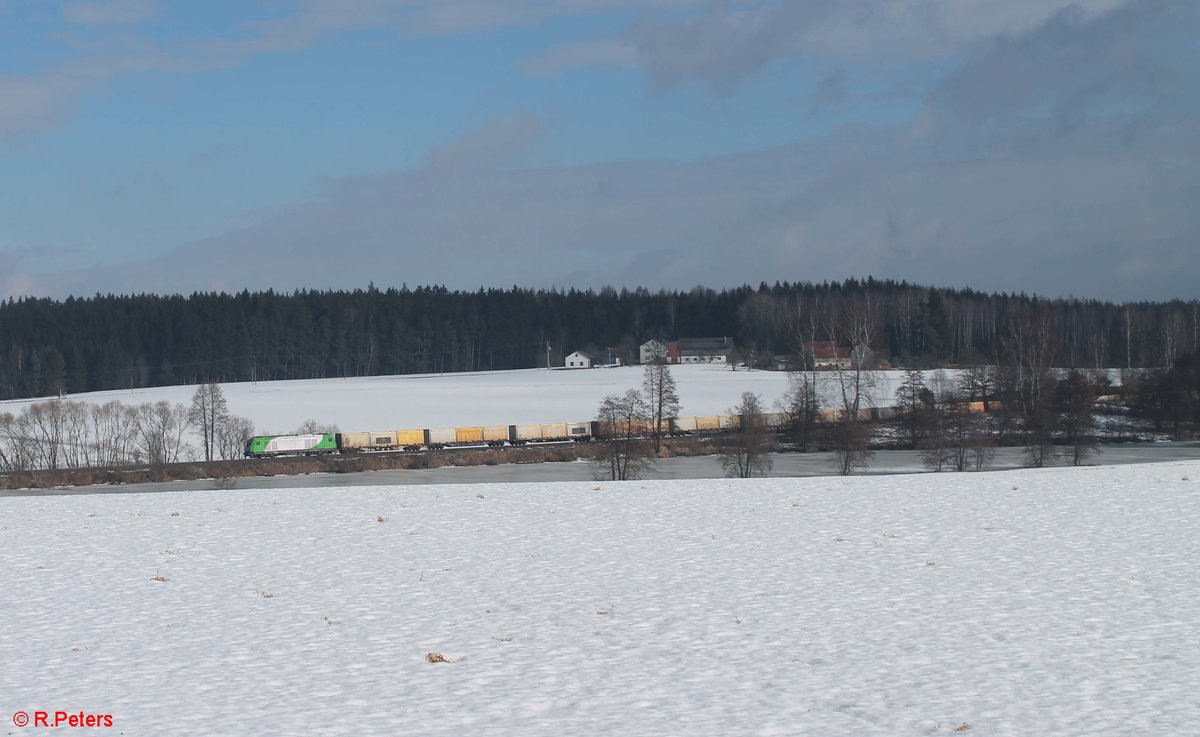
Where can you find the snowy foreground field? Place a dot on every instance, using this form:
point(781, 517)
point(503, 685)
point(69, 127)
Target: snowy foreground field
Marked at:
point(1051, 602)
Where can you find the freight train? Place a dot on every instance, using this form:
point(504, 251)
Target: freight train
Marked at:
point(261, 446)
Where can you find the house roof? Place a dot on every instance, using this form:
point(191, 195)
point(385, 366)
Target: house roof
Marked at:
point(827, 349)
point(705, 344)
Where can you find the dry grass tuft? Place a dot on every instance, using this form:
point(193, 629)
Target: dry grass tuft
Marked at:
point(962, 727)
point(437, 658)
point(176, 514)
point(265, 594)
point(928, 563)
point(158, 577)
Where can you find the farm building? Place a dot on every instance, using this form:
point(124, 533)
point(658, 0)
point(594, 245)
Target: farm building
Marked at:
point(827, 354)
point(650, 350)
point(690, 350)
point(701, 350)
point(579, 359)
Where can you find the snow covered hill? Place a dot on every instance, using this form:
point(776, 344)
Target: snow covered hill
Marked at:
point(1051, 602)
point(451, 400)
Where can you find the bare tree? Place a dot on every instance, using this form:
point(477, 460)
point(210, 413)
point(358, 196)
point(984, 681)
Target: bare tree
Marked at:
point(802, 405)
point(658, 388)
point(914, 405)
point(853, 387)
point(231, 437)
point(623, 420)
point(44, 423)
point(9, 443)
point(936, 452)
point(161, 427)
point(208, 411)
point(802, 401)
point(745, 452)
point(312, 427)
point(1077, 414)
point(1039, 437)
point(78, 444)
point(1170, 334)
point(114, 429)
point(978, 384)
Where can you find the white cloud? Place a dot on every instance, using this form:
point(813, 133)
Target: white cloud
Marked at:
point(36, 102)
point(489, 145)
point(1100, 216)
point(729, 41)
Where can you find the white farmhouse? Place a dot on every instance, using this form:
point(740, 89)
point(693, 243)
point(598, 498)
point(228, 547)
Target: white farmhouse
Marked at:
point(651, 350)
point(579, 359)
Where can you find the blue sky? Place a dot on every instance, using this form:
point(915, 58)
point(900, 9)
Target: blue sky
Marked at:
point(1016, 145)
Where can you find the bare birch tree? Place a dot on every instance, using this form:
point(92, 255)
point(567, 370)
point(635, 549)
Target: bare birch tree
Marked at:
point(208, 411)
point(161, 428)
point(853, 386)
point(745, 452)
point(658, 388)
point(44, 424)
point(623, 420)
point(231, 437)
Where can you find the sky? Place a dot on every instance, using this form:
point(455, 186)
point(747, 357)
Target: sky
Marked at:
point(1036, 146)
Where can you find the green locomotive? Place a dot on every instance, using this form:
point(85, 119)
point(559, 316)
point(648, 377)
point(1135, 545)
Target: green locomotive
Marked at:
point(261, 446)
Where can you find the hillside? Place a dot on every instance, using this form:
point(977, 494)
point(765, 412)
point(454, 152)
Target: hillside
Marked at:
point(450, 400)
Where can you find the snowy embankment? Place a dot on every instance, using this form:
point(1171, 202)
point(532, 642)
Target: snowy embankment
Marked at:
point(455, 400)
point(1051, 602)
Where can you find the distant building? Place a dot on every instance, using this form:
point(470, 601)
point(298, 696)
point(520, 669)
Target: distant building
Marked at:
point(650, 350)
point(689, 350)
point(701, 350)
point(579, 359)
point(828, 355)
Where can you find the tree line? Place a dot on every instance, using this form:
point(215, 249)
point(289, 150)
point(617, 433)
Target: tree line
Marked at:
point(956, 420)
point(50, 347)
point(631, 427)
point(58, 434)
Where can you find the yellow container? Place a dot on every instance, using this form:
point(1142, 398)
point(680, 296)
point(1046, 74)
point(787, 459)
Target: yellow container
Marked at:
point(408, 438)
point(468, 434)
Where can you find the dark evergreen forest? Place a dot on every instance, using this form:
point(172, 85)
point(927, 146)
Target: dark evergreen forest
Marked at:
point(109, 342)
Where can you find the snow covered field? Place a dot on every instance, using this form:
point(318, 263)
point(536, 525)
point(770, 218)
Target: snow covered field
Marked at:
point(1051, 602)
point(452, 400)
